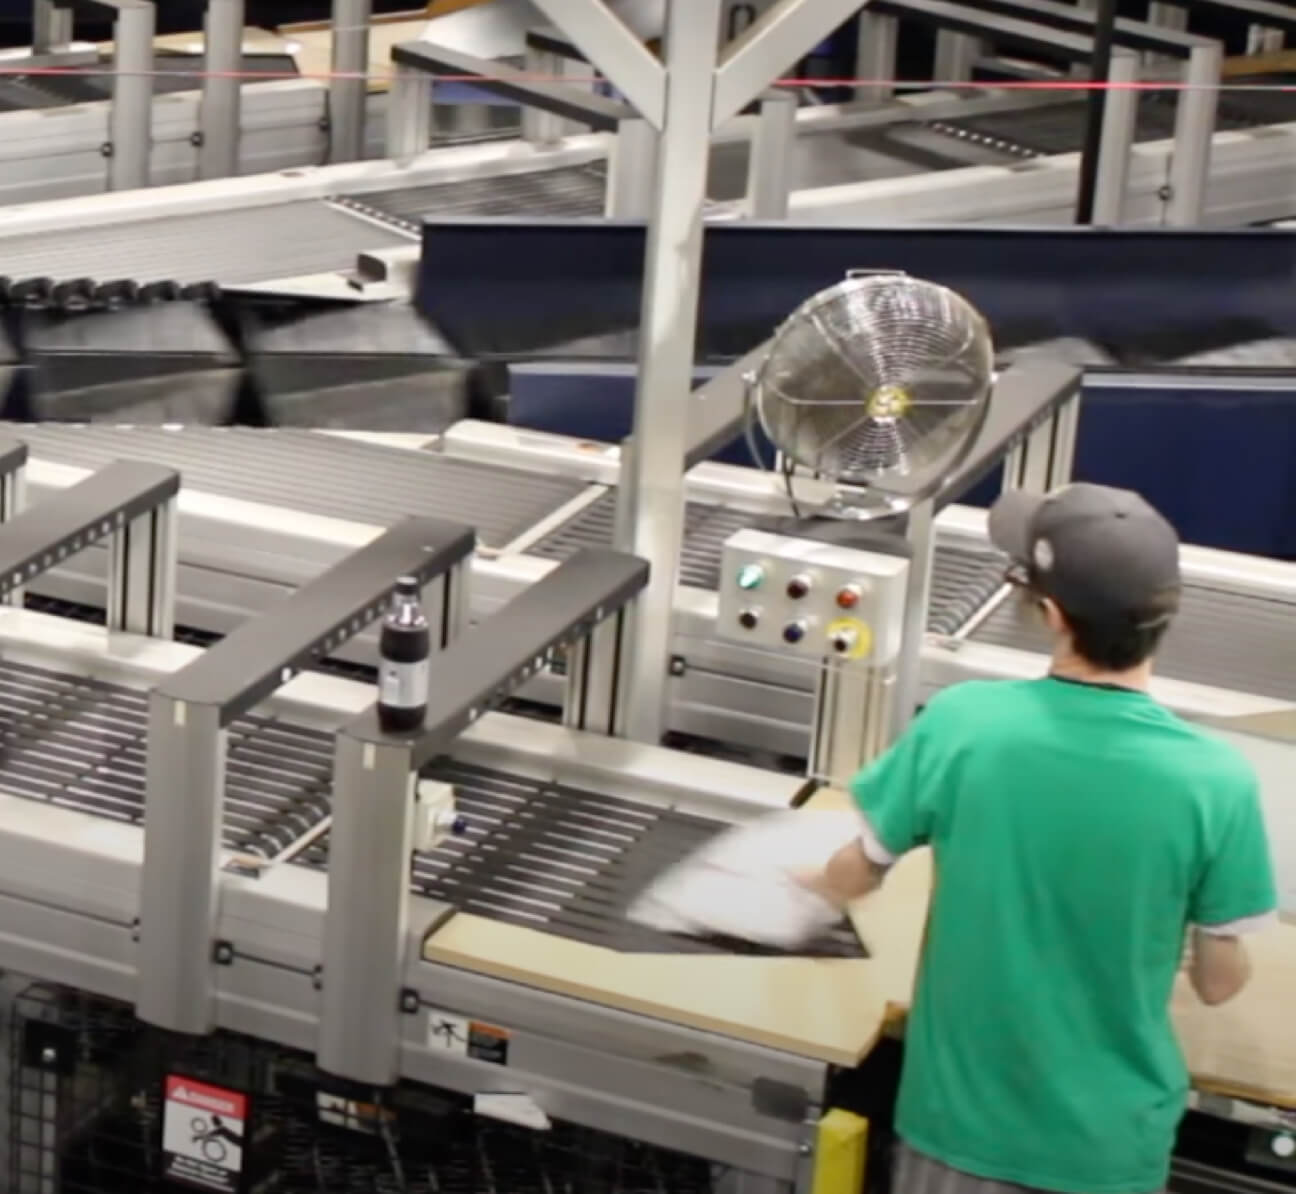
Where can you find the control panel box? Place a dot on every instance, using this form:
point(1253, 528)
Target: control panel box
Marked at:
point(818, 600)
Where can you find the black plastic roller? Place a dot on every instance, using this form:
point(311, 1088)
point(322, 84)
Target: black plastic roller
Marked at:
point(160, 292)
point(119, 293)
point(74, 295)
point(201, 292)
point(32, 293)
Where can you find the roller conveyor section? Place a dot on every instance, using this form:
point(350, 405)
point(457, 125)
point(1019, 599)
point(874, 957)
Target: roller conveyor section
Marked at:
point(563, 860)
point(569, 191)
point(964, 578)
point(1221, 639)
point(543, 856)
point(318, 474)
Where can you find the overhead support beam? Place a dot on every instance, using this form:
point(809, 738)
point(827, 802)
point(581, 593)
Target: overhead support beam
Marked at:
point(780, 38)
point(609, 44)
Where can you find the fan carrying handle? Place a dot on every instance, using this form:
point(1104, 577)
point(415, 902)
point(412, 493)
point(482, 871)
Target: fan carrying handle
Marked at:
point(854, 274)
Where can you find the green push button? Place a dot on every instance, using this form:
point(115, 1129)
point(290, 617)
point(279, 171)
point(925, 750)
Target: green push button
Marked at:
point(750, 576)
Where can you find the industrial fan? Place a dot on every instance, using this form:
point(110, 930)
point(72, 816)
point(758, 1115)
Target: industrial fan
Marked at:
point(876, 387)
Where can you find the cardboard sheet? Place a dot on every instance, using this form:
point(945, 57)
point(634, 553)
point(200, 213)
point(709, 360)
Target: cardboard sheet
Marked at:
point(835, 1010)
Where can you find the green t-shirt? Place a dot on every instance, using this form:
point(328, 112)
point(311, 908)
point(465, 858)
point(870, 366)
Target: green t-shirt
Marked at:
point(1077, 831)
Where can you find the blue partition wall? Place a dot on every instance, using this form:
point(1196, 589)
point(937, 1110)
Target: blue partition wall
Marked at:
point(1219, 455)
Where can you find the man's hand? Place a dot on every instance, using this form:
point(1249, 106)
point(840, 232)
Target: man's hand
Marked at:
point(849, 874)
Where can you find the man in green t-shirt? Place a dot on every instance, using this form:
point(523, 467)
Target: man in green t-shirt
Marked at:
point(1079, 831)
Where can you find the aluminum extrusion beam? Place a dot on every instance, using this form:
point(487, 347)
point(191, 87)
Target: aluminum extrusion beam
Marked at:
point(367, 930)
point(488, 662)
point(262, 654)
point(770, 172)
point(220, 112)
point(188, 713)
point(607, 42)
point(754, 60)
point(104, 504)
point(1266, 13)
point(595, 111)
point(349, 85)
point(1025, 397)
point(651, 515)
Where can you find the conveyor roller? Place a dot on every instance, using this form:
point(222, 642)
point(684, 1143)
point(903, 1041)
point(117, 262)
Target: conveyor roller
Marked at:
point(544, 856)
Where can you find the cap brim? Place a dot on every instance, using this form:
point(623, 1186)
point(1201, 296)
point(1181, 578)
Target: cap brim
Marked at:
point(1011, 518)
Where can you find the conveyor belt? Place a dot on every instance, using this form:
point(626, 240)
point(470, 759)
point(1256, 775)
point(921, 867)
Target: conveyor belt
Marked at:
point(320, 474)
point(79, 743)
point(1220, 639)
point(567, 861)
point(548, 857)
point(243, 245)
point(964, 578)
point(570, 191)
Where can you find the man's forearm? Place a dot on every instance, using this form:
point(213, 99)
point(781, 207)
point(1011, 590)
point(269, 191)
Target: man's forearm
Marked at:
point(849, 874)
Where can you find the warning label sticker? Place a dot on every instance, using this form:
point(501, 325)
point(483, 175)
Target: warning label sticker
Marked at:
point(203, 1130)
point(468, 1038)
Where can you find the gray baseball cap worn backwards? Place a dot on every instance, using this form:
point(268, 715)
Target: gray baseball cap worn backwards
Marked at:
point(1102, 554)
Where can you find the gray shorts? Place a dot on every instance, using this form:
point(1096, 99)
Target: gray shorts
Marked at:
point(915, 1173)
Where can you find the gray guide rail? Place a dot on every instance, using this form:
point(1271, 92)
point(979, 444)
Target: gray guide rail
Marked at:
point(489, 662)
point(322, 474)
point(105, 502)
point(245, 667)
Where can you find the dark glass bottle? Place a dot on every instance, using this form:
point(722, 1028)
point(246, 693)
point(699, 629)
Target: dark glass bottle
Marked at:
point(403, 650)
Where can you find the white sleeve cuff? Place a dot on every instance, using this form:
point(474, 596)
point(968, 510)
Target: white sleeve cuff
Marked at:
point(1240, 928)
point(874, 850)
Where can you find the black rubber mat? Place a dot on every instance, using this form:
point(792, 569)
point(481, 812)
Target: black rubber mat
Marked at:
point(570, 191)
point(963, 578)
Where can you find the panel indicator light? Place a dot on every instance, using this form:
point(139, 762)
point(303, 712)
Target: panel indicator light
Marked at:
point(848, 597)
point(794, 632)
point(750, 576)
point(748, 619)
point(798, 587)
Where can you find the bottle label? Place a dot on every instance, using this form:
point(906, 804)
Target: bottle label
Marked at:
point(402, 685)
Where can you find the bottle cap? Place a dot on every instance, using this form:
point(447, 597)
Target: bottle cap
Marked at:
point(407, 584)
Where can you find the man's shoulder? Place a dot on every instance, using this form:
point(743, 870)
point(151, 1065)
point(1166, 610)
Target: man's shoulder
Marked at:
point(978, 699)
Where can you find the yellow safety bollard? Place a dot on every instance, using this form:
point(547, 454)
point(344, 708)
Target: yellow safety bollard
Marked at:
point(841, 1153)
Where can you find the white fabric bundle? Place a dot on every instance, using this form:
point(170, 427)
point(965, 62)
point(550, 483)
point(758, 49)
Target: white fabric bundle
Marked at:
point(745, 884)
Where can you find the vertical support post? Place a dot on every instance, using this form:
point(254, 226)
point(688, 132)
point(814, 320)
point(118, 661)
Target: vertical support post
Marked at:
point(349, 86)
point(770, 169)
point(13, 497)
point(956, 55)
point(1194, 129)
point(142, 574)
point(368, 910)
point(591, 697)
point(1066, 427)
point(852, 719)
point(875, 57)
point(409, 113)
point(922, 540)
point(180, 880)
point(130, 122)
point(632, 168)
point(51, 26)
point(220, 123)
point(1095, 109)
point(540, 127)
point(654, 478)
point(1120, 114)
